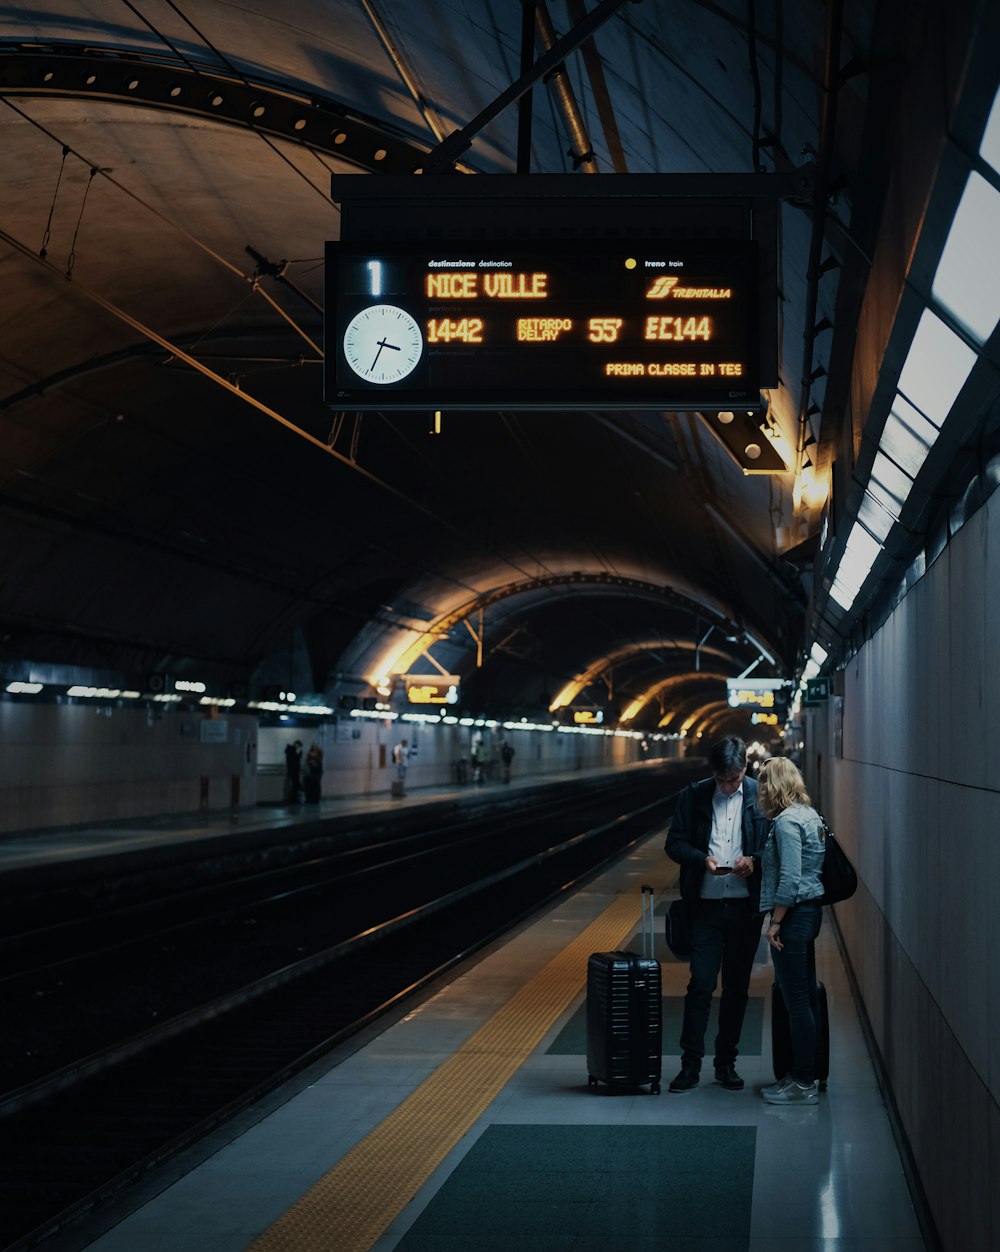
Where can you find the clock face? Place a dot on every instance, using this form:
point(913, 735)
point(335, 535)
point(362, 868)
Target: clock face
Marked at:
point(382, 343)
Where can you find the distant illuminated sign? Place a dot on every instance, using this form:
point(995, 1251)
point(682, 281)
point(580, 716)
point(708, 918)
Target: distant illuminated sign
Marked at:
point(764, 719)
point(657, 324)
point(817, 691)
point(755, 693)
point(588, 717)
point(432, 688)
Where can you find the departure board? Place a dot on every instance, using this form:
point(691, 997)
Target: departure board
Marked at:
point(666, 325)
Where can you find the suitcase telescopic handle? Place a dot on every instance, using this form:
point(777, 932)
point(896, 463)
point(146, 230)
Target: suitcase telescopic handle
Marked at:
point(647, 920)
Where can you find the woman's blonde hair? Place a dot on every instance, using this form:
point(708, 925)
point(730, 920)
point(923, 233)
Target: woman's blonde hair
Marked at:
point(779, 785)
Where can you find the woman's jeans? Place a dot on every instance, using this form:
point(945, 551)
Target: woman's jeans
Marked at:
point(795, 970)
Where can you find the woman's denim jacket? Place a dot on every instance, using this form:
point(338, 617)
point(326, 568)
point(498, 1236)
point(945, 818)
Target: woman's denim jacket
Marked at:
point(793, 858)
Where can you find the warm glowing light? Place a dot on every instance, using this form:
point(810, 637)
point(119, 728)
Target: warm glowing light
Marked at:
point(604, 329)
point(465, 330)
point(810, 490)
point(781, 445)
point(678, 329)
point(542, 329)
point(633, 709)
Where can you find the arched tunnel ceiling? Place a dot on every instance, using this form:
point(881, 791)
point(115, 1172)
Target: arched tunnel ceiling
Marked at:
point(175, 496)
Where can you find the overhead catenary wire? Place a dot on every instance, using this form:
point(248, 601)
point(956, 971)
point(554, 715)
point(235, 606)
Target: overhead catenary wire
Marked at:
point(232, 69)
point(179, 353)
point(175, 226)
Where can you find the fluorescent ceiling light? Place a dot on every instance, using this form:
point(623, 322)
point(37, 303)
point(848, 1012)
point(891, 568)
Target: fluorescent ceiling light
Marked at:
point(936, 367)
point(842, 595)
point(967, 281)
point(818, 653)
point(908, 436)
point(989, 149)
point(810, 670)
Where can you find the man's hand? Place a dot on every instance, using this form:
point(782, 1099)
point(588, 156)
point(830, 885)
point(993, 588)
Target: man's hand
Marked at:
point(713, 867)
point(743, 866)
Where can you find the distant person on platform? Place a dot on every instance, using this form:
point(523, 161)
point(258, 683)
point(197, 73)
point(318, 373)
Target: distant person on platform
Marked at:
point(506, 756)
point(293, 771)
point(717, 836)
point(314, 774)
point(479, 762)
point(401, 759)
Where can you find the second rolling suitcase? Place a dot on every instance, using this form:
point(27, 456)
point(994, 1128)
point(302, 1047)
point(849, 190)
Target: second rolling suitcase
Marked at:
point(625, 1013)
point(781, 1039)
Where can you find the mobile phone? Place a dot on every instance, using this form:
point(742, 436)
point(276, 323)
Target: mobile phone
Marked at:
point(724, 869)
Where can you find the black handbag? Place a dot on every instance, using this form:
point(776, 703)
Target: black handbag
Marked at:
point(678, 926)
point(839, 878)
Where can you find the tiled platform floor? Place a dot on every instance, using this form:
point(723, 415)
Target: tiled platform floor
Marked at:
point(553, 1164)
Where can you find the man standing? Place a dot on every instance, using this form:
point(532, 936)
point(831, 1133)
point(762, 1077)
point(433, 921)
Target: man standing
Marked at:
point(717, 836)
point(293, 771)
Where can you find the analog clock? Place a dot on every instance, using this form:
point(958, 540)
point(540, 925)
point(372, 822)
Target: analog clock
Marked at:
point(382, 343)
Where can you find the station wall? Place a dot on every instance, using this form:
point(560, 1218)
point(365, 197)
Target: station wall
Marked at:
point(64, 764)
point(71, 764)
point(912, 787)
point(357, 753)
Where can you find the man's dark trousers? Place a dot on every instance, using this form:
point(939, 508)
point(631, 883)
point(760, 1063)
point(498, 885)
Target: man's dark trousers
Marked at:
point(724, 935)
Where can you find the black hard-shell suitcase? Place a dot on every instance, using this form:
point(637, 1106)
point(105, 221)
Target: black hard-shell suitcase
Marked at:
point(781, 1038)
point(625, 1013)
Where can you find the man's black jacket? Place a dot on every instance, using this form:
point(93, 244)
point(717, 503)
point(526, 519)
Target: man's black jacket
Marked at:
point(691, 828)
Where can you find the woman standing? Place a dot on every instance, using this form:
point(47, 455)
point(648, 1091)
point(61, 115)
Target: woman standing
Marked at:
point(314, 774)
point(791, 889)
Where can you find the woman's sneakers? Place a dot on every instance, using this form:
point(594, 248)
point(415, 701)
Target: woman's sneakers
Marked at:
point(788, 1091)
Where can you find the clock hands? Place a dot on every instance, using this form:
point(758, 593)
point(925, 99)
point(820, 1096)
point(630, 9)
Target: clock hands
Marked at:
point(383, 343)
point(374, 329)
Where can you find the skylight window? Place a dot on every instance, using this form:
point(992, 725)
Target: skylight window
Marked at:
point(907, 437)
point(989, 149)
point(844, 597)
point(874, 517)
point(889, 485)
point(936, 367)
point(858, 559)
point(967, 282)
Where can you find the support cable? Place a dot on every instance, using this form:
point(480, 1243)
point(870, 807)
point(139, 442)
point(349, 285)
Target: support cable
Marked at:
point(71, 259)
point(234, 390)
point(44, 249)
point(814, 269)
point(175, 226)
point(755, 79)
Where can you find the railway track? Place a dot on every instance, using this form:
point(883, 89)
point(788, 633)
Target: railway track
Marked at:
point(141, 1028)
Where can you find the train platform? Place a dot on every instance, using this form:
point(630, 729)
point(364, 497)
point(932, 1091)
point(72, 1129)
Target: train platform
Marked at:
point(47, 853)
point(466, 1123)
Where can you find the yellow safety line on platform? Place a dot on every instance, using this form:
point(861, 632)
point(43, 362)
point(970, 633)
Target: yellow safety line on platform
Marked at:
point(357, 1201)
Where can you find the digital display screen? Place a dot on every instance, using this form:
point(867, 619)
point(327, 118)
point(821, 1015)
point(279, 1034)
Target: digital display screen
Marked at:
point(660, 324)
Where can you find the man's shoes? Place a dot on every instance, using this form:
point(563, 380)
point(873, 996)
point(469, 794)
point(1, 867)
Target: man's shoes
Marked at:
point(686, 1080)
point(791, 1092)
point(727, 1077)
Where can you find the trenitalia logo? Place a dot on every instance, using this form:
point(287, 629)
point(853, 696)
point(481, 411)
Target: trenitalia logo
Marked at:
point(664, 287)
